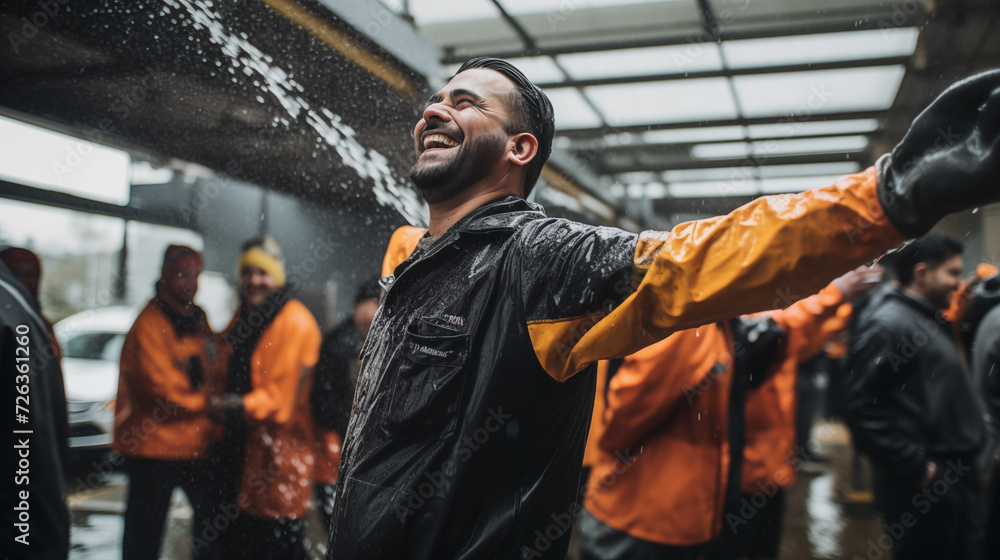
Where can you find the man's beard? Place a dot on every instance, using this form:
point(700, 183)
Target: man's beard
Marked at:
point(941, 298)
point(473, 161)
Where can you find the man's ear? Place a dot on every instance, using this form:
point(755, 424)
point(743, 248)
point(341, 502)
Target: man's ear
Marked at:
point(522, 149)
point(920, 271)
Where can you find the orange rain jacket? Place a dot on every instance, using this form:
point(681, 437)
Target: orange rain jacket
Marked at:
point(402, 243)
point(327, 454)
point(662, 442)
point(662, 445)
point(158, 414)
point(278, 472)
point(769, 455)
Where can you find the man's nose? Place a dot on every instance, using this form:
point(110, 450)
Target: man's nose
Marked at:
point(437, 111)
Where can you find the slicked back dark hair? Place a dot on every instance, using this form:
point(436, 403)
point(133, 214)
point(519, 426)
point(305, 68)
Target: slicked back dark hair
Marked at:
point(932, 249)
point(531, 111)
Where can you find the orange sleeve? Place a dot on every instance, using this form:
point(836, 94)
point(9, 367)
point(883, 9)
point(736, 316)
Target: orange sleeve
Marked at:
point(282, 364)
point(591, 450)
point(158, 375)
point(749, 260)
point(959, 303)
point(651, 383)
point(401, 245)
point(961, 299)
point(810, 323)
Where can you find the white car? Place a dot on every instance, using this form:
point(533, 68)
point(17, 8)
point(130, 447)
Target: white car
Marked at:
point(91, 344)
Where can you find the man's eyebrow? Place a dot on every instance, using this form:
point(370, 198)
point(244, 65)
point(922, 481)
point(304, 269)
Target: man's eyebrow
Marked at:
point(467, 93)
point(437, 97)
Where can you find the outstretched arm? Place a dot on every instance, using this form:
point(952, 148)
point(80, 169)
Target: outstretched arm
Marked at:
point(767, 253)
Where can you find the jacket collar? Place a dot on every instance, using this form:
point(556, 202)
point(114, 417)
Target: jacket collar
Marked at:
point(500, 215)
point(497, 215)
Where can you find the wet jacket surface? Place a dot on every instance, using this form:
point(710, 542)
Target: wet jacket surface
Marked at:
point(44, 479)
point(986, 367)
point(469, 422)
point(277, 474)
point(769, 455)
point(163, 389)
point(911, 398)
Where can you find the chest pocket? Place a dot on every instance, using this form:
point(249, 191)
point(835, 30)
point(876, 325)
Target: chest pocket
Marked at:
point(427, 387)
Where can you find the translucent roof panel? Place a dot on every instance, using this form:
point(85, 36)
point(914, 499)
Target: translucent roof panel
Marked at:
point(707, 174)
point(725, 150)
point(683, 135)
point(539, 69)
point(572, 110)
point(822, 91)
point(795, 184)
point(704, 189)
point(634, 177)
point(521, 7)
point(824, 47)
point(736, 174)
point(426, 12)
point(834, 144)
point(664, 102)
point(838, 168)
point(642, 62)
point(814, 128)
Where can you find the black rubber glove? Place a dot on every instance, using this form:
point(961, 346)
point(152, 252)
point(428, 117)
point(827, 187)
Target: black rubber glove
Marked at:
point(948, 161)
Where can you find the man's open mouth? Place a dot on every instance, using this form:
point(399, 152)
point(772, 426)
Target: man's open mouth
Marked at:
point(437, 140)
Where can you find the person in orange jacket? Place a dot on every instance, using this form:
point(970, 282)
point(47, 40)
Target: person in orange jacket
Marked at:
point(770, 454)
point(264, 463)
point(666, 437)
point(161, 422)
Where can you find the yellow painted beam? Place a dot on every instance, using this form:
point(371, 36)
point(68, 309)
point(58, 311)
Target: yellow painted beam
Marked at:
point(344, 44)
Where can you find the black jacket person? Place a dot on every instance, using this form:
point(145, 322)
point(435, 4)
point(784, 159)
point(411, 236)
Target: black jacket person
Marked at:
point(914, 409)
point(35, 517)
point(477, 381)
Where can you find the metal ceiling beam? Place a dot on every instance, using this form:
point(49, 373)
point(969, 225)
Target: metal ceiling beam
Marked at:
point(45, 197)
point(837, 65)
point(529, 42)
point(732, 162)
point(768, 29)
point(638, 129)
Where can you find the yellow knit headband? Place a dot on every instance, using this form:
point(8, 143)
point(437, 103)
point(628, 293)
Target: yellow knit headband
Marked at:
point(256, 256)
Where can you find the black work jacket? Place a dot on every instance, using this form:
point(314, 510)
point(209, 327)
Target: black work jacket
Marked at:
point(460, 443)
point(911, 398)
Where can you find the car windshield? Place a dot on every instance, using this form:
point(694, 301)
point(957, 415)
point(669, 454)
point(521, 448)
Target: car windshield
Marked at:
point(105, 346)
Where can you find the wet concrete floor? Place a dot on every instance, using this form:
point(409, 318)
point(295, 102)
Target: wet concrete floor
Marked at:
point(819, 522)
